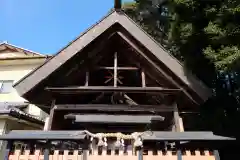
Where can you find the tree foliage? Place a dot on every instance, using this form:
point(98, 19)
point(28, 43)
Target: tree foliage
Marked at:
point(205, 36)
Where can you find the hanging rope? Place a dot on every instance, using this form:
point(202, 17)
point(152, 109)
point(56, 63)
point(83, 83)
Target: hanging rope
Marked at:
point(102, 137)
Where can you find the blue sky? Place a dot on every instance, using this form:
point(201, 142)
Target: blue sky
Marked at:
point(46, 26)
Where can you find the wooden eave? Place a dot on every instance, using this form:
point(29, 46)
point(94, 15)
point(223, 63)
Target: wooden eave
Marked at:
point(186, 136)
point(43, 135)
point(82, 135)
point(34, 78)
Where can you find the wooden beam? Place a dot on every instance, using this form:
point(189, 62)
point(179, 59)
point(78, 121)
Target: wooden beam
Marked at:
point(115, 69)
point(108, 107)
point(157, 67)
point(95, 89)
point(118, 68)
point(129, 100)
point(95, 52)
point(112, 118)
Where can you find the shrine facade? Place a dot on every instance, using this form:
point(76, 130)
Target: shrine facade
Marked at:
point(114, 92)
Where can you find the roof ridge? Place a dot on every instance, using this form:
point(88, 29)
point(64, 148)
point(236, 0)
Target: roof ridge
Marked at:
point(24, 49)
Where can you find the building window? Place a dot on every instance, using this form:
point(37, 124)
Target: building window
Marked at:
point(5, 86)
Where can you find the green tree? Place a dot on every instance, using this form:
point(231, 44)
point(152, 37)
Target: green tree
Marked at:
point(193, 30)
point(204, 35)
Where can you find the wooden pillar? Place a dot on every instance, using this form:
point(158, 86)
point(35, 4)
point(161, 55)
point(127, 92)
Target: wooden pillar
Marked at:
point(179, 152)
point(8, 150)
point(216, 155)
point(143, 78)
point(30, 146)
point(115, 69)
point(181, 124)
point(85, 150)
point(87, 79)
point(46, 151)
point(51, 115)
point(140, 153)
point(176, 119)
point(179, 155)
point(45, 128)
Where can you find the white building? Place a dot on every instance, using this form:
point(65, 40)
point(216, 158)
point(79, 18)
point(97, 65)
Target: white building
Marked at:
point(15, 112)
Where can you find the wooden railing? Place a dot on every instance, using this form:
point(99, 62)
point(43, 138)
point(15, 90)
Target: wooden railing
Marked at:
point(104, 154)
point(72, 145)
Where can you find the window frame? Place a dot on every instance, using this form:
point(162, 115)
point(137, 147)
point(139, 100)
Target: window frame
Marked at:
point(2, 85)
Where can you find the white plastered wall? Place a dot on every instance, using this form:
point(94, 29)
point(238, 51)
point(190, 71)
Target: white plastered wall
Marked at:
point(15, 72)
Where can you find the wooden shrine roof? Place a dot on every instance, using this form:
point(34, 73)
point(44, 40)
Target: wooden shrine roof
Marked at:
point(182, 78)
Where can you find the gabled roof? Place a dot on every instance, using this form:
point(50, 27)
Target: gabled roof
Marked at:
point(37, 76)
point(10, 51)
